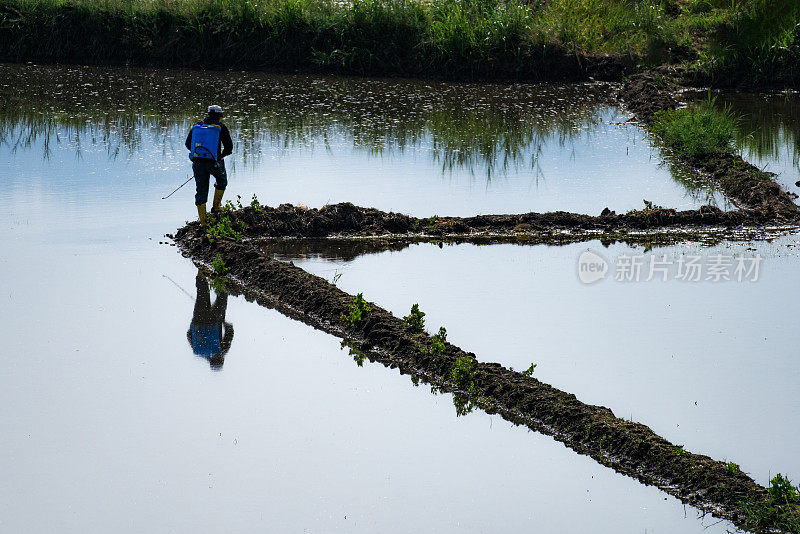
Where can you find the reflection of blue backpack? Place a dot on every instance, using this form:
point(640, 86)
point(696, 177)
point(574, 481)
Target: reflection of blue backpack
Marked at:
point(205, 339)
point(205, 141)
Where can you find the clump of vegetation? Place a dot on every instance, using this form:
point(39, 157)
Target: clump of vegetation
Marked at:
point(648, 205)
point(610, 25)
point(780, 512)
point(755, 38)
point(415, 320)
point(230, 206)
point(357, 310)
point(431, 225)
point(529, 370)
point(731, 467)
point(697, 131)
point(219, 265)
point(437, 342)
point(782, 491)
point(221, 227)
point(463, 371)
point(255, 204)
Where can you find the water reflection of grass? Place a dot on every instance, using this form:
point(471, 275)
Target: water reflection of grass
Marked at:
point(768, 125)
point(486, 129)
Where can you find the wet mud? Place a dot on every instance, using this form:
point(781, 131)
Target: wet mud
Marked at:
point(647, 226)
point(628, 447)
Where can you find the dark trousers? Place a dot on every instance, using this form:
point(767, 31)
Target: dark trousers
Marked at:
point(203, 170)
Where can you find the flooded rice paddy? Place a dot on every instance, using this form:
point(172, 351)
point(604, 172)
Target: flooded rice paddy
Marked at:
point(707, 364)
point(111, 421)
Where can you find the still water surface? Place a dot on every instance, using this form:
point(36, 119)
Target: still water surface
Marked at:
point(416, 147)
point(111, 422)
point(710, 365)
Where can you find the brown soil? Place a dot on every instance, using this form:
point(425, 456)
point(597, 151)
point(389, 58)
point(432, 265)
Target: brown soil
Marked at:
point(641, 226)
point(628, 447)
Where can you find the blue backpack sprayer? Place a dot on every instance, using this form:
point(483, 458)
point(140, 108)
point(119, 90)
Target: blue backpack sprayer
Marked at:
point(205, 141)
point(205, 144)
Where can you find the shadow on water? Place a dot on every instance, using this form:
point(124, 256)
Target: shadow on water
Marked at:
point(329, 249)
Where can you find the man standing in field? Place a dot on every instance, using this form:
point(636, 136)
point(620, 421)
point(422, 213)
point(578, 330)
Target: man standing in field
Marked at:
point(208, 142)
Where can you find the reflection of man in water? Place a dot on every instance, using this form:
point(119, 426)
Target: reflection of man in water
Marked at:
point(209, 335)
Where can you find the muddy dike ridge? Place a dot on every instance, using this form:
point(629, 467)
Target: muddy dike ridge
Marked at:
point(628, 447)
point(647, 226)
point(745, 184)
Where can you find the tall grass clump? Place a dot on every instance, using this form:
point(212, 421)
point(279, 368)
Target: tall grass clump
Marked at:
point(697, 131)
point(753, 38)
point(631, 27)
point(455, 38)
point(541, 39)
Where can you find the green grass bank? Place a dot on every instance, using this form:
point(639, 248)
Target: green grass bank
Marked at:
point(710, 40)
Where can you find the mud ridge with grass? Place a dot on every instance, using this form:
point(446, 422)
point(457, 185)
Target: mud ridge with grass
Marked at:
point(646, 226)
point(628, 447)
point(752, 189)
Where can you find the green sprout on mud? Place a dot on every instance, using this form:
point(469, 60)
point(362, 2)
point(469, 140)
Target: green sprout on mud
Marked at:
point(356, 310)
point(529, 370)
point(415, 320)
point(255, 204)
point(780, 512)
point(651, 206)
point(219, 265)
point(679, 450)
point(431, 226)
point(463, 371)
point(230, 206)
point(222, 227)
point(336, 277)
point(437, 342)
point(731, 467)
point(782, 491)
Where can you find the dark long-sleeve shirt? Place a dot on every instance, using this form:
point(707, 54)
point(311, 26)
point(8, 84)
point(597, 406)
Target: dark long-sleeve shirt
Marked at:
point(225, 147)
